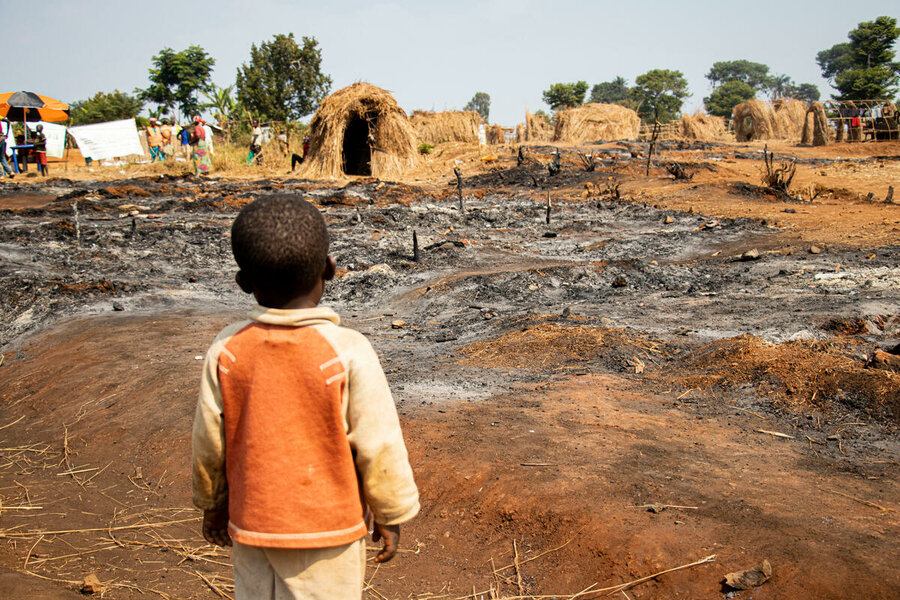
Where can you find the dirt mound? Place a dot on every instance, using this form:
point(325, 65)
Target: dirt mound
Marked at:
point(797, 375)
point(555, 346)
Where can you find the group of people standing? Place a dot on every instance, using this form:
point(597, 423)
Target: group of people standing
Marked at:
point(163, 135)
point(38, 150)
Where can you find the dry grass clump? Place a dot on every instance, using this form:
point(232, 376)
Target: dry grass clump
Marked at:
point(537, 128)
point(816, 130)
point(395, 147)
point(553, 346)
point(797, 375)
point(703, 128)
point(758, 120)
point(595, 121)
point(447, 126)
point(520, 133)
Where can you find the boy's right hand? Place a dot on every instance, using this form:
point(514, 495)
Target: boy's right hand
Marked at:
point(391, 536)
point(215, 526)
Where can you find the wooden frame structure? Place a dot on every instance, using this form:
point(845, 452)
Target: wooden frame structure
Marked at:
point(863, 120)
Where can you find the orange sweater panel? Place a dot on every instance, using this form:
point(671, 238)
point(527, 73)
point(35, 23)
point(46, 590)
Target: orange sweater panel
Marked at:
point(292, 481)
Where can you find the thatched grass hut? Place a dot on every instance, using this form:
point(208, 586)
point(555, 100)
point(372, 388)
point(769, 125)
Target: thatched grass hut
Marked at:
point(495, 135)
point(447, 126)
point(520, 133)
point(758, 120)
point(595, 121)
point(703, 128)
point(360, 130)
point(537, 128)
point(816, 130)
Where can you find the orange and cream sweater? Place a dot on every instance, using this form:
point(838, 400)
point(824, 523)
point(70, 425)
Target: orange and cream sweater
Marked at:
point(297, 431)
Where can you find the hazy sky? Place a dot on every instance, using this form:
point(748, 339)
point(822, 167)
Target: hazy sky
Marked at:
point(431, 55)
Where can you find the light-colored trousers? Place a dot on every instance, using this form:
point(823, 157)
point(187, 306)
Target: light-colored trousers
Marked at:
point(299, 574)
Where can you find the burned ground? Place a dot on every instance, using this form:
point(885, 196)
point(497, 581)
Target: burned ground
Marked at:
point(551, 376)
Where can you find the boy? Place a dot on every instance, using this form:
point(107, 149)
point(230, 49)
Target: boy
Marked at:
point(296, 432)
point(40, 150)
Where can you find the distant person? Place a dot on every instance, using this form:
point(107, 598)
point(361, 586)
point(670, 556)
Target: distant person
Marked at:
point(256, 135)
point(6, 135)
point(209, 136)
point(200, 155)
point(165, 132)
point(154, 140)
point(40, 150)
point(296, 159)
point(296, 437)
point(184, 136)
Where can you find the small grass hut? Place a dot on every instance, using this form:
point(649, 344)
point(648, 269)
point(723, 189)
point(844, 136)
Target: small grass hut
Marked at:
point(537, 128)
point(758, 120)
point(816, 130)
point(360, 130)
point(595, 121)
point(447, 126)
point(520, 133)
point(703, 128)
point(495, 135)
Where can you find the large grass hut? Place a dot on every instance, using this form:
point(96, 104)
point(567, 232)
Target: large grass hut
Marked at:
point(758, 120)
point(703, 128)
point(446, 126)
point(595, 121)
point(360, 130)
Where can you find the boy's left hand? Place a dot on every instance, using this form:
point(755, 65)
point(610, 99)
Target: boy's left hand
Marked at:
point(215, 526)
point(391, 536)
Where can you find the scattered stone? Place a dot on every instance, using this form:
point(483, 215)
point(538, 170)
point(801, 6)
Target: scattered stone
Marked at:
point(833, 438)
point(91, 585)
point(750, 255)
point(117, 306)
point(815, 250)
point(656, 508)
point(669, 220)
point(750, 578)
point(619, 282)
point(566, 312)
point(398, 324)
point(550, 234)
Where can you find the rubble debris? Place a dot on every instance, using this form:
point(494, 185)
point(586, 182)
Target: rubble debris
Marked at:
point(91, 585)
point(750, 255)
point(749, 578)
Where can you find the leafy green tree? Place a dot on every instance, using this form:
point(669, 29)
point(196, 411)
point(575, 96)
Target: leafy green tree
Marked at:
point(807, 92)
point(611, 92)
point(724, 98)
point(480, 103)
point(782, 86)
point(660, 94)
point(754, 74)
point(177, 77)
point(565, 95)
point(102, 107)
point(283, 81)
point(864, 67)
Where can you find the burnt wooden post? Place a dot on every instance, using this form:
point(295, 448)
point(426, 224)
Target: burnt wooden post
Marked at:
point(653, 137)
point(548, 208)
point(458, 173)
point(890, 196)
point(520, 156)
point(415, 246)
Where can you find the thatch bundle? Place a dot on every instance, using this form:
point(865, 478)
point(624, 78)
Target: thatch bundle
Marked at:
point(816, 130)
point(758, 120)
point(595, 121)
point(703, 128)
point(537, 128)
point(447, 126)
point(495, 135)
point(356, 129)
point(520, 133)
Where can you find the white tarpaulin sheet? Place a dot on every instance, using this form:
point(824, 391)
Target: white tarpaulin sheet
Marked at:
point(108, 140)
point(56, 138)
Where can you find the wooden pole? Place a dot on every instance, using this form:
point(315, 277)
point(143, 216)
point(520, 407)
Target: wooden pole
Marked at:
point(458, 173)
point(548, 207)
point(415, 246)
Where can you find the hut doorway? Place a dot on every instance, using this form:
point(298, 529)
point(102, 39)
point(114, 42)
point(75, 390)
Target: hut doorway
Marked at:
point(356, 151)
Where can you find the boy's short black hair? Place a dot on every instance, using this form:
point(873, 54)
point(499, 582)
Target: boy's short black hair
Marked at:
point(280, 243)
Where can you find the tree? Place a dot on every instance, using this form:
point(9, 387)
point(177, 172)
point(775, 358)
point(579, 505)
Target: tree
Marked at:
point(660, 93)
point(480, 103)
point(283, 81)
point(611, 92)
point(565, 95)
point(782, 86)
point(723, 99)
point(177, 77)
point(102, 107)
point(863, 68)
point(754, 74)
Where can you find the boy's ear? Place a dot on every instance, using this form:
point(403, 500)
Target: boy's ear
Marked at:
point(330, 268)
point(243, 282)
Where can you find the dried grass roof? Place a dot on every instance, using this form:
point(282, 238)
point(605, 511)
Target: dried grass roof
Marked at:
point(447, 126)
point(758, 120)
point(394, 150)
point(703, 128)
point(537, 128)
point(595, 121)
